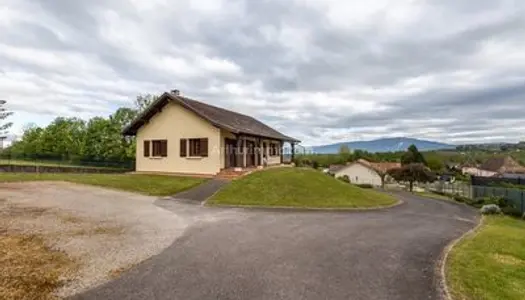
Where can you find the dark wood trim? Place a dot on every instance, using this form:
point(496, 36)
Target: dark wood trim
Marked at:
point(293, 152)
point(239, 152)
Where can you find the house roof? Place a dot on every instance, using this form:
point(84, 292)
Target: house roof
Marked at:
point(378, 167)
point(502, 164)
point(385, 166)
point(335, 168)
point(226, 119)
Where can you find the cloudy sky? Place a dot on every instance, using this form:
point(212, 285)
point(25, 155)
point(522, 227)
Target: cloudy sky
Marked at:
point(323, 71)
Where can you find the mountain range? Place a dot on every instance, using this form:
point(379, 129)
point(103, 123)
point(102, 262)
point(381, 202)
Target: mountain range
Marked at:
point(383, 145)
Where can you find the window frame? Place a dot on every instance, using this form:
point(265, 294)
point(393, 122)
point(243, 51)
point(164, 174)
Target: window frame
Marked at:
point(274, 149)
point(146, 151)
point(159, 148)
point(197, 147)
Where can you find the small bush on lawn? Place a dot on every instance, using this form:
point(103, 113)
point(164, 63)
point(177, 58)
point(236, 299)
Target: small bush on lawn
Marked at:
point(344, 178)
point(365, 185)
point(477, 203)
point(499, 201)
point(511, 211)
point(315, 164)
point(460, 198)
point(490, 209)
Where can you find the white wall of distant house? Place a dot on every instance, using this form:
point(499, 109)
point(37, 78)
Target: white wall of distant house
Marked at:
point(477, 172)
point(360, 174)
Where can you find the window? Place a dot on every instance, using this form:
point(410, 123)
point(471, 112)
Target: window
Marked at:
point(274, 150)
point(159, 148)
point(146, 148)
point(197, 147)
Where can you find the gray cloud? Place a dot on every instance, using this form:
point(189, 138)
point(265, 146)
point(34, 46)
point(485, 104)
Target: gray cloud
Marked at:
point(321, 71)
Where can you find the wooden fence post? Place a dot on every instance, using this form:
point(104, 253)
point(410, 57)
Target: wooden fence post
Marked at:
point(522, 203)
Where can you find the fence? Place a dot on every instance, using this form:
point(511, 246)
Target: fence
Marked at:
point(489, 181)
point(513, 195)
point(88, 164)
point(462, 189)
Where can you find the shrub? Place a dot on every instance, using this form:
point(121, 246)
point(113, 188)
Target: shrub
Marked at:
point(478, 202)
point(499, 201)
point(460, 198)
point(511, 211)
point(365, 186)
point(344, 178)
point(315, 164)
point(490, 209)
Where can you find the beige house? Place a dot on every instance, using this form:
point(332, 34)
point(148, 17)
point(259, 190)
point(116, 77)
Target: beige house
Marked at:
point(176, 134)
point(365, 172)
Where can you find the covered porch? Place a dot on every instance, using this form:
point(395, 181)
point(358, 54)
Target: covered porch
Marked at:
point(245, 151)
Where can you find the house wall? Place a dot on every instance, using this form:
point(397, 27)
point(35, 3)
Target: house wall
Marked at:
point(478, 172)
point(172, 124)
point(360, 174)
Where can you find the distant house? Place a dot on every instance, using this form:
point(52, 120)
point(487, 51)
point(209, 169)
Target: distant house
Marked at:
point(332, 169)
point(176, 134)
point(502, 165)
point(365, 172)
point(495, 166)
point(476, 171)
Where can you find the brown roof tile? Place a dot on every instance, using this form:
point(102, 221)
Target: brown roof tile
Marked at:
point(385, 166)
point(502, 164)
point(220, 117)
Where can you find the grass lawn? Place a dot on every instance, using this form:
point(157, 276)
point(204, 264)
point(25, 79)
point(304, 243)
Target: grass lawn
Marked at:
point(155, 185)
point(490, 264)
point(298, 188)
point(49, 164)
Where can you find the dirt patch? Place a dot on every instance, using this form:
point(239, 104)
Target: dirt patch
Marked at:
point(31, 269)
point(508, 260)
point(108, 230)
point(117, 272)
point(88, 235)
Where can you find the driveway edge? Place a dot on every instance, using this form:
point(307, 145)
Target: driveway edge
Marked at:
point(306, 209)
point(446, 295)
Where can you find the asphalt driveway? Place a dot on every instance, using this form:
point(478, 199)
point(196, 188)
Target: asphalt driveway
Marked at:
point(383, 254)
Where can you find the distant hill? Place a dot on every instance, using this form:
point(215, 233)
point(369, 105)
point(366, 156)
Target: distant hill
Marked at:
point(384, 145)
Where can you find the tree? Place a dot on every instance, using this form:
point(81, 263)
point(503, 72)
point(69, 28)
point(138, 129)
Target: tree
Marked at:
point(344, 149)
point(435, 164)
point(414, 172)
point(413, 156)
point(143, 101)
point(382, 175)
point(4, 114)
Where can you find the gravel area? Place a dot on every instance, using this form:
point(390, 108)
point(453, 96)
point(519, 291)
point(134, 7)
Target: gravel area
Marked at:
point(107, 231)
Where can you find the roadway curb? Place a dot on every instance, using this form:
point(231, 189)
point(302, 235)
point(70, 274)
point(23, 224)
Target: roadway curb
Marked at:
point(305, 209)
point(446, 295)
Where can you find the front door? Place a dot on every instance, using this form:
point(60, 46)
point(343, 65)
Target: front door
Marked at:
point(230, 147)
point(250, 153)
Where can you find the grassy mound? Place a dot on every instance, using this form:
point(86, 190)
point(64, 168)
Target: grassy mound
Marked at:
point(490, 264)
point(298, 188)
